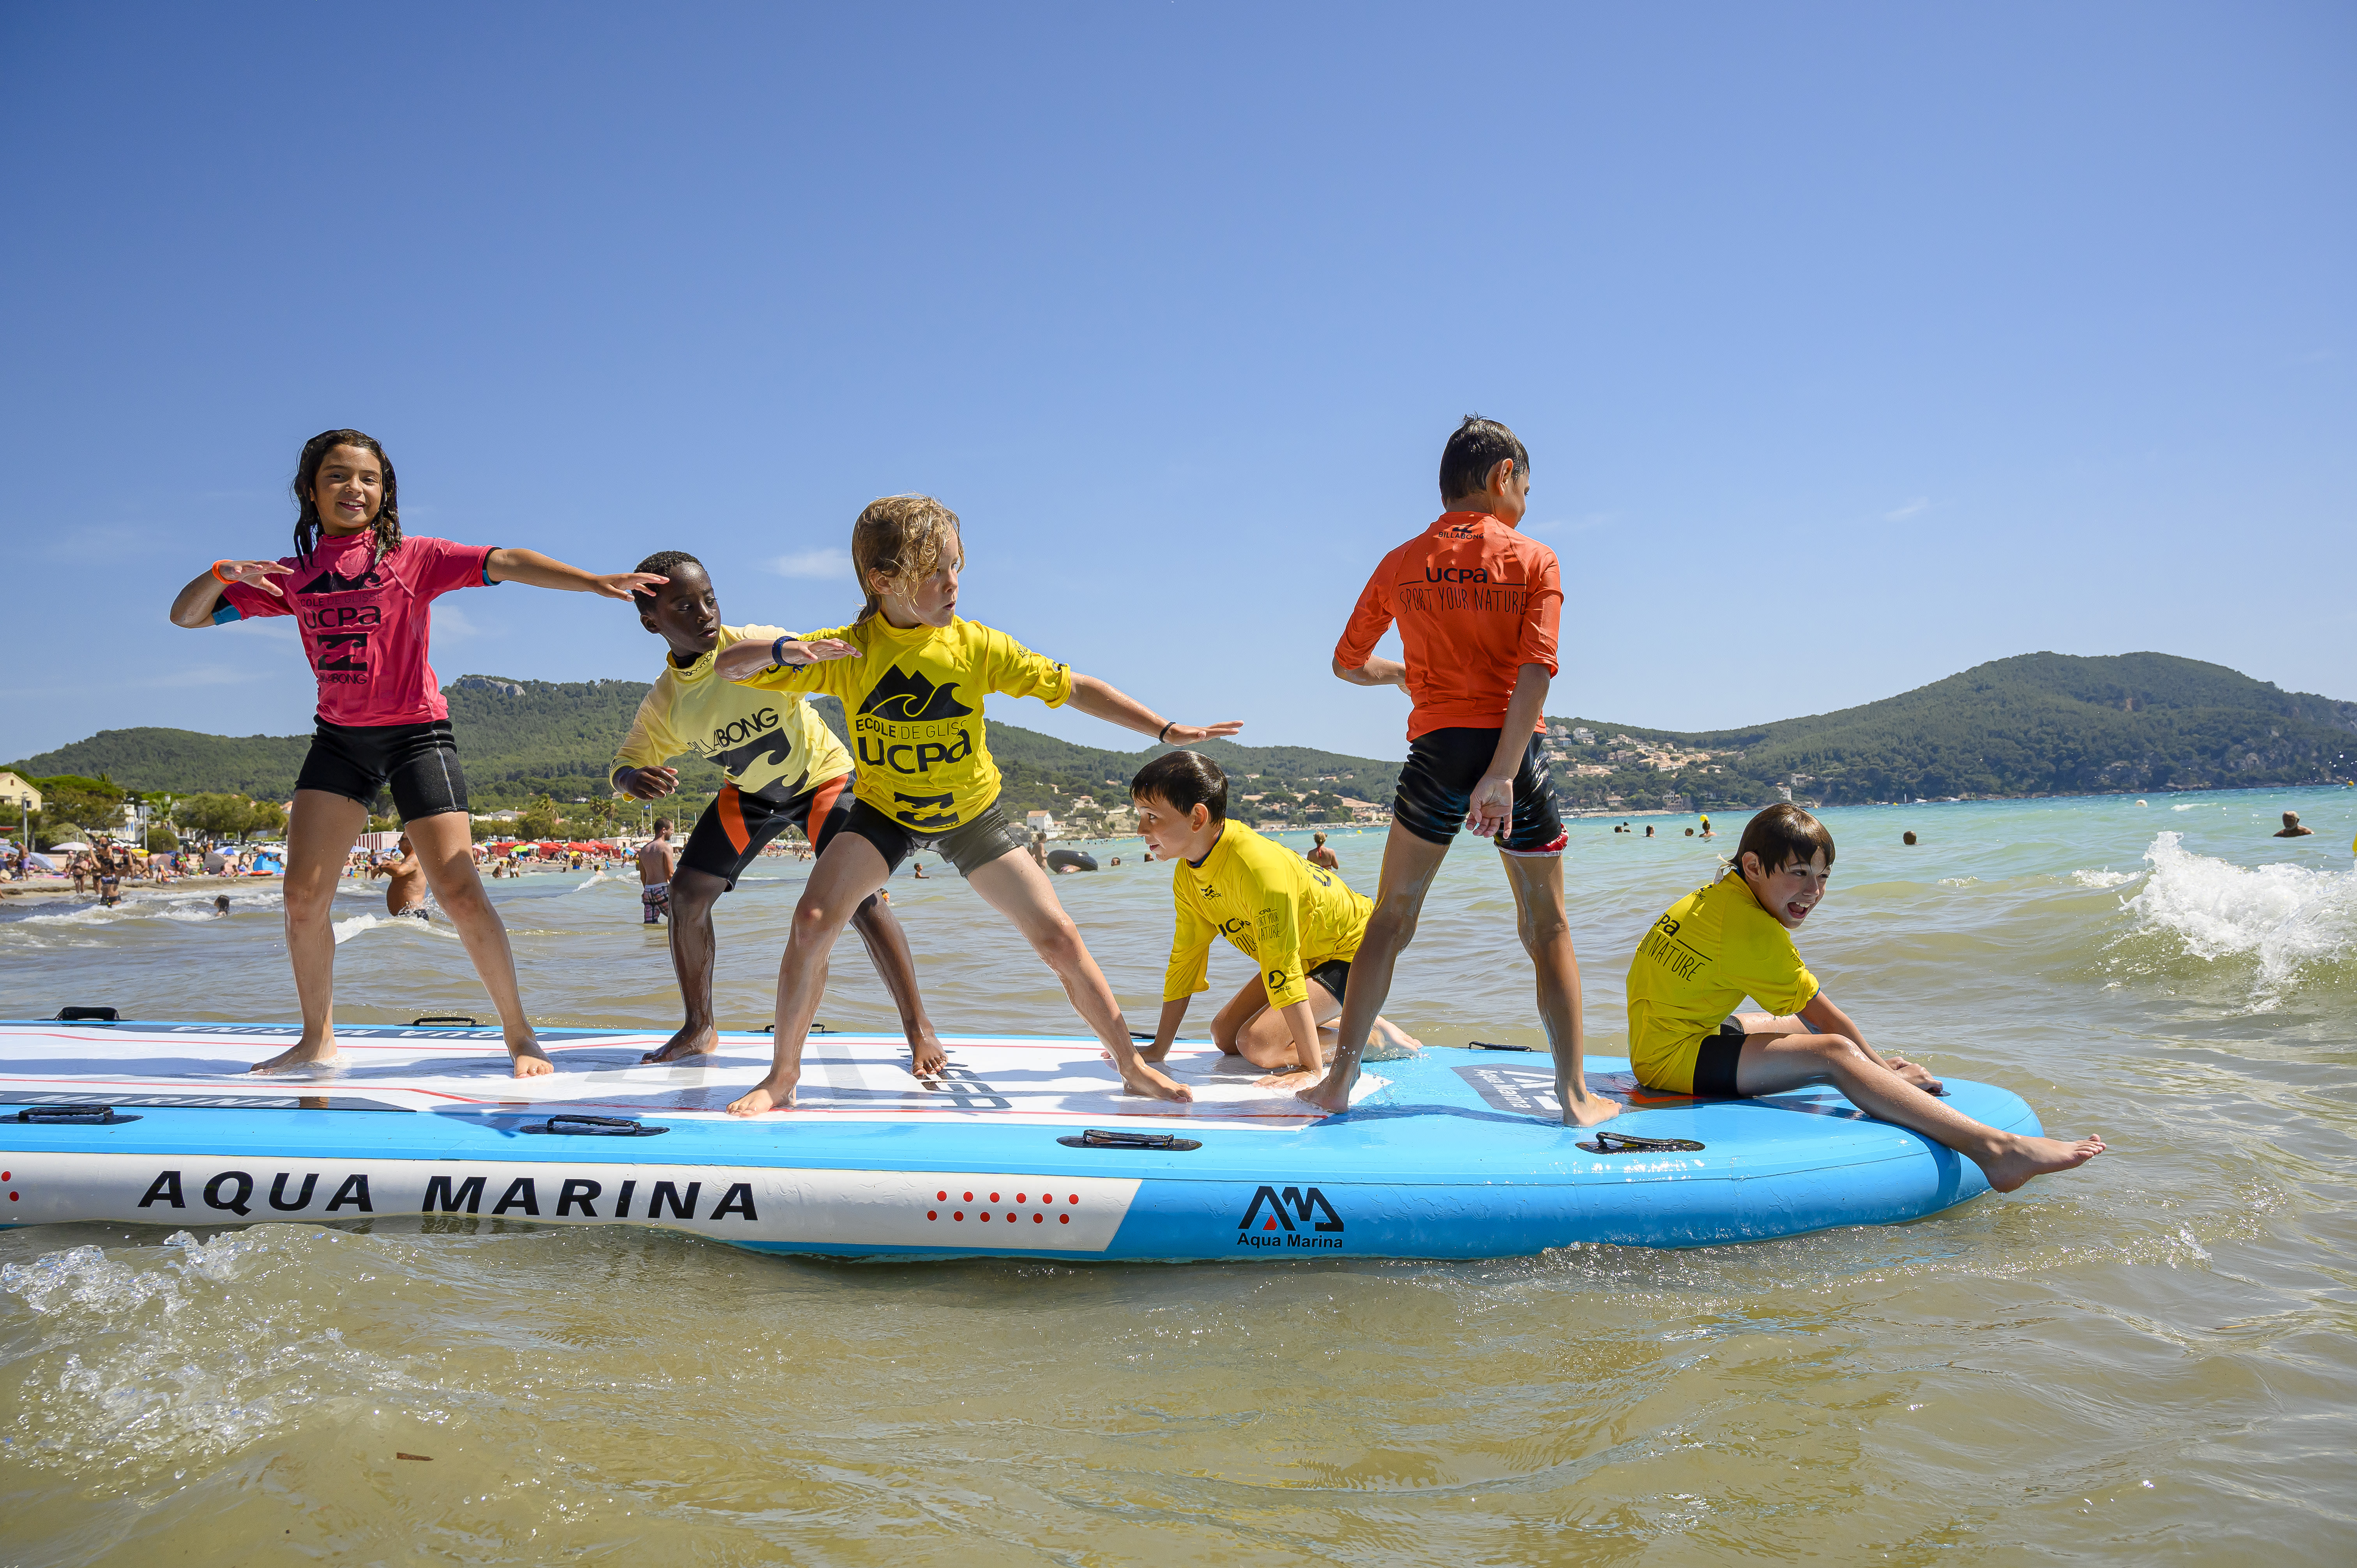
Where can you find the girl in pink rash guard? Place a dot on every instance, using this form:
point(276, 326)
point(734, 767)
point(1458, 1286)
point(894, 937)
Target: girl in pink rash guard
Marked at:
point(360, 594)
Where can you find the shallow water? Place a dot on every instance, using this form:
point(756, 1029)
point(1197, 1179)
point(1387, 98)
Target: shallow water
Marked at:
point(2154, 1358)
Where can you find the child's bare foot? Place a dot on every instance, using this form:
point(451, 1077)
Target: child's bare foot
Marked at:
point(1387, 1042)
point(1331, 1092)
point(1287, 1077)
point(1588, 1110)
point(1140, 1078)
point(926, 1058)
point(2017, 1159)
point(321, 1052)
point(693, 1040)
point(529, 1060)
point(775, 1093)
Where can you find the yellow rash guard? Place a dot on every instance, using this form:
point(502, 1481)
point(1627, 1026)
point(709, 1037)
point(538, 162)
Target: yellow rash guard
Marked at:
point(1277, 909)
point(771, 745)
point(915, 701)
point(1707, 953)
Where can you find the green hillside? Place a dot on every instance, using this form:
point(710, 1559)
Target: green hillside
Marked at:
point(2043, 724)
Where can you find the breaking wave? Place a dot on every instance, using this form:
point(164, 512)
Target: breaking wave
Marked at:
point(2285, 920)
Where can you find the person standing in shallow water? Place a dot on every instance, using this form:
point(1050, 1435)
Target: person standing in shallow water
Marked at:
point(359, 590)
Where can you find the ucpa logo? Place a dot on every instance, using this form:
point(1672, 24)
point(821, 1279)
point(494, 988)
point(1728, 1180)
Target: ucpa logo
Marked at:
point(1278, 1229)
point(1456, 575)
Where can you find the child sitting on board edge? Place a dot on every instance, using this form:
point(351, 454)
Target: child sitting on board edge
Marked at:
point(1733, 938)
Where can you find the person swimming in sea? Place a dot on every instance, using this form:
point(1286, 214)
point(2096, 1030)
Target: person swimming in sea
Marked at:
point(405, 888)
point(2291, 828)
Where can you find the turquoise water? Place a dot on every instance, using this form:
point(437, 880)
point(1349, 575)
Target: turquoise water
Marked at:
point(2151, 1359)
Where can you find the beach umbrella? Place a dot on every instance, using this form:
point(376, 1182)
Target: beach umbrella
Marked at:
point(34, 857)
point(71, 848)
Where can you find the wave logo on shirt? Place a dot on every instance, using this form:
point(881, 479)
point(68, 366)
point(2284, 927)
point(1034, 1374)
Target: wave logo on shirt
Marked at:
point(334, 582)
point(345, 650)
point(905, 698)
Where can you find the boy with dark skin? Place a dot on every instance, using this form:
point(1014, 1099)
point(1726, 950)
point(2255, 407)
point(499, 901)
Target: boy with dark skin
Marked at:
point(689, 709)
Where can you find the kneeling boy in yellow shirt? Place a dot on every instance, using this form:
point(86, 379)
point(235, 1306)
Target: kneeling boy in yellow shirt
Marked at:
point(1300, 922)
point(1733, 938)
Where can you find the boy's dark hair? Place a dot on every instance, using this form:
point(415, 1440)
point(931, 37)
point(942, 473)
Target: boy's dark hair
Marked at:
point(1781, 835)
point(659, 563)
point(1183, 780)
point(1476, 447)
point(385, 525)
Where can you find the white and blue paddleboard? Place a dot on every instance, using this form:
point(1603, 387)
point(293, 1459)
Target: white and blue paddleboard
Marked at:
point(1027, 1147)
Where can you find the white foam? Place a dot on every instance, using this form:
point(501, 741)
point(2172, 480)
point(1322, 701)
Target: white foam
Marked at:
point(595, 878)
point(2183, 806)
point(2106, 877)
point(2287, 918)
point(346, 930)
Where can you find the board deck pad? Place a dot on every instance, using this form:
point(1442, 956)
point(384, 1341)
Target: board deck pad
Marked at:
point(845, 1076)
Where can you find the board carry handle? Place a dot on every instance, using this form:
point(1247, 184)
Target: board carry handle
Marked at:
point(1627, 1144)
point(1103, 1138)
point(72, 1116)
point(1486, 1045)
point(597, 1127)
point(444, 1021)
point(88, 1016)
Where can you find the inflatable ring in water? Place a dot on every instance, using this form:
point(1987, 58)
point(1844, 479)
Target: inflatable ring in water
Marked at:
point(1076, 859)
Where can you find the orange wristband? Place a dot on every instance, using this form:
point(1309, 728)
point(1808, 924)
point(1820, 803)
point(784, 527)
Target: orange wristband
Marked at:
point(225, 582)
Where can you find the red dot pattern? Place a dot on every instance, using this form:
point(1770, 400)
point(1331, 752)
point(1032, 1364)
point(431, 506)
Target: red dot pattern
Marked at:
point(940, 1195)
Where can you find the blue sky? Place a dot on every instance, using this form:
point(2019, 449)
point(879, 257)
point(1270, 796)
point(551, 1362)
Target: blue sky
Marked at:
point(1854, 345)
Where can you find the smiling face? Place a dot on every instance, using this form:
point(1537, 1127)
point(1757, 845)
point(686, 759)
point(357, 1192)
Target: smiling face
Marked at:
point(1171, 834)
point(349, 489)
point(686, 612)
point(1789, 894)
point(931, 600)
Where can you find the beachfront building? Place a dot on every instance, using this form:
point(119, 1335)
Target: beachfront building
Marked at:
point(18, 795)
point(1039, 822)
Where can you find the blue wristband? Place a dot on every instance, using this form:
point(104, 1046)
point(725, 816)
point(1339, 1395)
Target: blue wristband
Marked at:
point(778, 654)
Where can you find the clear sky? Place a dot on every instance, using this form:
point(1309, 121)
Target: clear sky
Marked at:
point(1854, 345)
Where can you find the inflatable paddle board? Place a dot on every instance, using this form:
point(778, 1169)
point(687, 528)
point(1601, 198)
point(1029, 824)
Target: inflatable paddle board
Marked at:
point(1027, 1147)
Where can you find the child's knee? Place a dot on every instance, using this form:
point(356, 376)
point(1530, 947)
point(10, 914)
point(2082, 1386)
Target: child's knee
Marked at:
point(1059, 944)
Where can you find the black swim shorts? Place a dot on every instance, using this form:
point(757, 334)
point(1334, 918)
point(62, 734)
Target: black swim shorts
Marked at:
point(969, 847)
point(1714, 1073)
point(1334, 974)
point(357, 761)
point(736, 826)
point(1435, 789)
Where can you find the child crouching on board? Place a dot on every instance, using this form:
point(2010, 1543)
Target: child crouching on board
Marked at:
point(912, 675)
point(1733, 938)
point(1301, 923)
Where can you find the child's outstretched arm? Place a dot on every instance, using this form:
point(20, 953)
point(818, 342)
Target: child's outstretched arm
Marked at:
point(535, 570)
point(197, 602)
point(1099, 701)
point(1827, 1019)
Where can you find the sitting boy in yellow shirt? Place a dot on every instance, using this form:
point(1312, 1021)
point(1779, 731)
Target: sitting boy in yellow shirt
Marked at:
point(1301, 923)
point(1733, 938)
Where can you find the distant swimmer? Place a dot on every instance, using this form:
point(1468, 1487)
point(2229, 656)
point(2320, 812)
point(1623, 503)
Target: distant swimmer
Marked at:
point(783, 770)
point(1649, 830)
point(658, 860)
point(1733, 938)
point(1907, 837)
point(220, 904)
point(917, 870)
point(1301, 926)
point(2291, 828)
point(382, 720)
point(1690, 833)
point(1319, 855)
point(1706, 826)
point(404, 890)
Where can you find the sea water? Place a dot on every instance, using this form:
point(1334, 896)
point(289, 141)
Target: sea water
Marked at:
point(2151, 1359)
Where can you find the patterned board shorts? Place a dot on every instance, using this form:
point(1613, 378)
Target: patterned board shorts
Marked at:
point(655, 902)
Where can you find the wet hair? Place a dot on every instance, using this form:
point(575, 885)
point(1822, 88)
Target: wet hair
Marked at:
point(1184, 780)
point(660, 563)
point(1319, 837)
point(906, 538)
point(1907, 837)
point(1475, 447)
point(386, 525)
point(1781, 836)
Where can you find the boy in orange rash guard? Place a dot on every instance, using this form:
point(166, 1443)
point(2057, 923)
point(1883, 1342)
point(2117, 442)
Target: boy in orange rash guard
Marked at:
point(1476, 604)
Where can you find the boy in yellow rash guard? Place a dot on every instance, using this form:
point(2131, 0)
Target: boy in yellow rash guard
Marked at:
point(783, 768)
point(1300, 923)
point(1733, 938)
point(913, 676)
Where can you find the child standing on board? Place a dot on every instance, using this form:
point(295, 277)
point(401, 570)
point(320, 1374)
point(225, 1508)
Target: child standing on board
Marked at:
point(1477, 605)
point(782, 767)
point(360, 593)
point(912, 676)
point(1300, 923)
point(1733, 938)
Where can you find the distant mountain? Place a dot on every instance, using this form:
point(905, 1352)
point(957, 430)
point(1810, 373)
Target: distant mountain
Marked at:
point(2043, 724)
